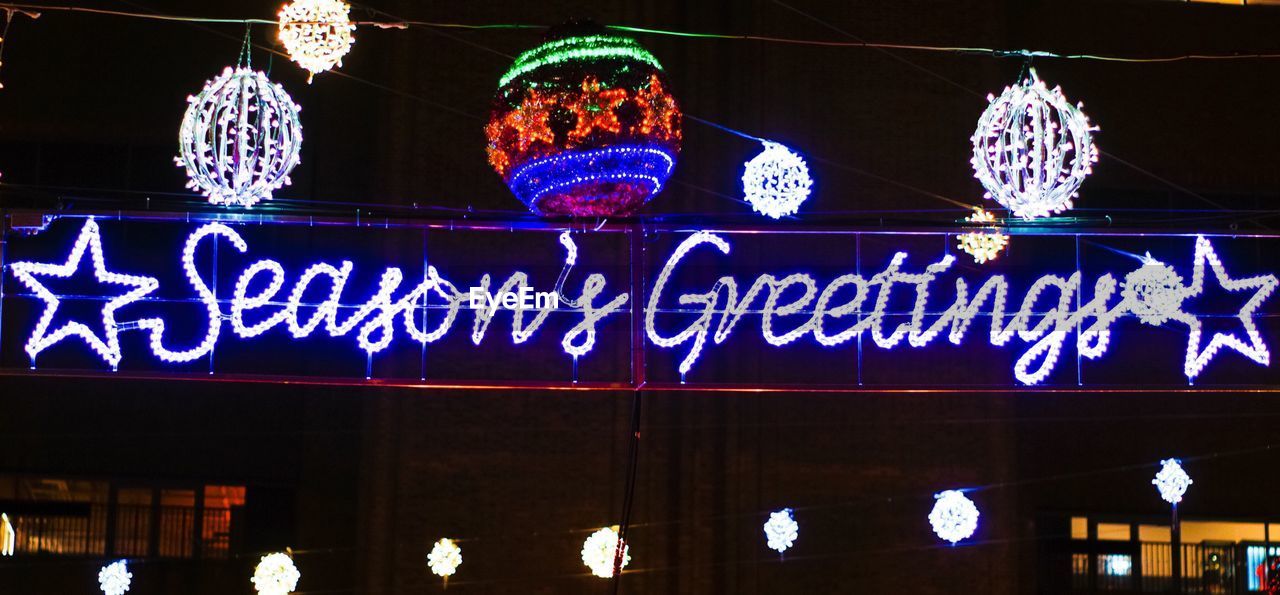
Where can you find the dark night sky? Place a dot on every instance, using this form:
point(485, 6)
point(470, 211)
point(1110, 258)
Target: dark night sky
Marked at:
point(94, 101)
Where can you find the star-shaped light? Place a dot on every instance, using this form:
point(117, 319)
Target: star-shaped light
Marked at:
point(594, 109)
point(1254, 349)
point(108, 345)
point(658, 110)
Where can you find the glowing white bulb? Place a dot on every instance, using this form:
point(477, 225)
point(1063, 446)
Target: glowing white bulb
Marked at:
point(983, 246)
point(240, 138)
point(275, 575)
point(1171, 481)
point(1032, 149)
point(954, 516)
point(599, 549)
point(445, 557)
point(776, 181)
point(316, 33)
point(781, 530)
point(114, 578)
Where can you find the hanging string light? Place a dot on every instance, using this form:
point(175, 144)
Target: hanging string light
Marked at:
point(1032, 148)
point(599, 549)
point(275, 575)
point(983, 246)
point(781, 530)
point(114, 578)
point(954, 516)
point(776, 181)
point(444, 559)
point(316, 33)
point(240, 138)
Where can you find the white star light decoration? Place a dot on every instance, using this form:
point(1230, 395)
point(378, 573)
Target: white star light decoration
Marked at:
point(444, 559)
point(240, 138)
point(316, 33)
point(275, 575)
point(776, 181)
point(954, 517)
point(114, 578)
point(1171, 481)
point(107, 346)
point(1263, 286)
point(599, 549)
point(1032, 149)
point(781, 530)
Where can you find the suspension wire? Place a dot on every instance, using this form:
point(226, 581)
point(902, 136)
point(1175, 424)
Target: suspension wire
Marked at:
point(1026, 56)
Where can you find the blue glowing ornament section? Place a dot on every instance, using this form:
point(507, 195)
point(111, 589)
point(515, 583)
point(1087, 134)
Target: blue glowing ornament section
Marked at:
point(241, 298)
point(647, 166)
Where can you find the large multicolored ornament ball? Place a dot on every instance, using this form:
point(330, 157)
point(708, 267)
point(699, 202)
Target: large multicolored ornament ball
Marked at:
point(584, 125)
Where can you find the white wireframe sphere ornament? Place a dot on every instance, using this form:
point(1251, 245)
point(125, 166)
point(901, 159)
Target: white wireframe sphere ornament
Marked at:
point(954, 516)
point(240, 138)
point(1032, 149)
point(776, 181)
point(599, 549)
point(1172, 481)
point(114, 578)
point(445, 558)
point(316, 33)
point(275, 575)
point(781, 530)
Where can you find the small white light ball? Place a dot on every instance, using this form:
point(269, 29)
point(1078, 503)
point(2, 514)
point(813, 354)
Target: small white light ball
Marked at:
point(954, 516)
point(776, 181)
point(316, 33)
point(240, 138)
point(115, 578)
point(275, 575)
point(1172, 481)
point(599, 549)
point(781, 530)
point(445, 557)
point(1032, 149)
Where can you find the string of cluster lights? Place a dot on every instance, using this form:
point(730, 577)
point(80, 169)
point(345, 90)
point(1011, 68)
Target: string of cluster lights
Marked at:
point(954, 518)
point(406, 24)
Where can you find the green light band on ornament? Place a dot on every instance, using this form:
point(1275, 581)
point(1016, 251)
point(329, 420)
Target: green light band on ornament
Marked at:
point(578, 48)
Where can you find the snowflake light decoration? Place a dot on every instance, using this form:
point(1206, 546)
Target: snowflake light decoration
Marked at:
point(114, 578)
point(599, 549)
point(1172, 481)
point(316, 33)
point(983, 246)
point(1154, 293)
point(445, 557)
point(781, 530)
point(240, 138)
point(954, 516)
point(1032, 149)
point(275, 575)
point(776, 181)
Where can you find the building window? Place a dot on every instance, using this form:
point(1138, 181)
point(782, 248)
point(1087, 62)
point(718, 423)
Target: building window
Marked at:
point(101, 518)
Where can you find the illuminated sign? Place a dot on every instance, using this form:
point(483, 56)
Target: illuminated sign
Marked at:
point(690, 306)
